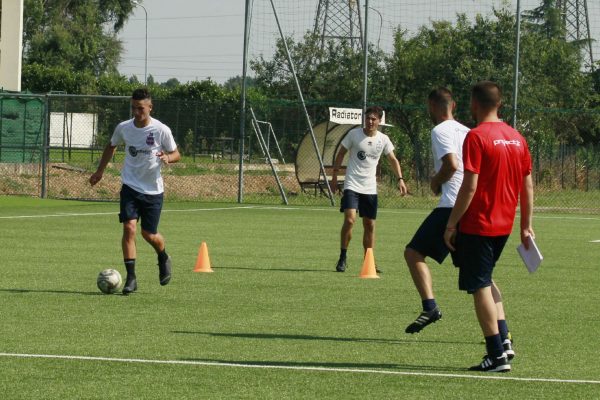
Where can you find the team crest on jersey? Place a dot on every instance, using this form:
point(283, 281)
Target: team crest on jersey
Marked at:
point(379, 146)
point(361, 155)
point(150, 139)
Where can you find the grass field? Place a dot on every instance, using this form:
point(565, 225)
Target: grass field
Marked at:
point(274, 321)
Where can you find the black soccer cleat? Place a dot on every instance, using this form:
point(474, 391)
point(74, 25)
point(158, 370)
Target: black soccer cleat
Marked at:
point(493, 364)
point(508, 349)
point(424, 319)
point(341, 265)
point(164, 271)
point(378, 270)
point(130, 285)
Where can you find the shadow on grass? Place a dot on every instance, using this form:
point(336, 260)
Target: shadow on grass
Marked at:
point(337, 366)
point(95, 293)
point(320, 338)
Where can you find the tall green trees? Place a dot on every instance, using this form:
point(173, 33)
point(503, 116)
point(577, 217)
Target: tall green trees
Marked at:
point(77, 35)
point(72, 37)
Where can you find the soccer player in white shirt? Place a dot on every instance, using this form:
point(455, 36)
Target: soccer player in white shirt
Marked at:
point(447, 139)
point(148, 144)
point(365, 146)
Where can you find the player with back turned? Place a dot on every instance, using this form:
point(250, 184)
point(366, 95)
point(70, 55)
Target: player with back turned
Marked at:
point(148, 144)
point(497, 177)
point(447, 139)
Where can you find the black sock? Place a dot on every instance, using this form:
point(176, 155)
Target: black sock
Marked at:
point(343, 254)
point(130, 266)
point(503, 328)
point(429, 305)
point(493, 344)
point(162, 256)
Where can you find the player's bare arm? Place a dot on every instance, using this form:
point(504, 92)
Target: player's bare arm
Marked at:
point(526, 200)
point(398, 172)
point(107, 155)
point(169, 157)
point(463, 200)
point(447, 170)
point(336, 168)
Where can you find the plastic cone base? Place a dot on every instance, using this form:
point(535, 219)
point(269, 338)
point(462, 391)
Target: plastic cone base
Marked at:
point(368, 269)
point(203, 261)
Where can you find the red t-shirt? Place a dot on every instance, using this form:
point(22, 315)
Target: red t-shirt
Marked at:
point(501, 158)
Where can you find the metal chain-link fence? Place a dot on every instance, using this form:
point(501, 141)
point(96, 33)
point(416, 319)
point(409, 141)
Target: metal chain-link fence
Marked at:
point(73, 130)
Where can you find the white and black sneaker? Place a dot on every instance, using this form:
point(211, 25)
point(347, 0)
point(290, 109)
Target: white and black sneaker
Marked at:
point(424, 319)
point(493, 364)
point(508, 349)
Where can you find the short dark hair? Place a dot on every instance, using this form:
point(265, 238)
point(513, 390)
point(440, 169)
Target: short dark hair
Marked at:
point(141, 94)
point(441, 96)
point(375, 110)
point(487, 94)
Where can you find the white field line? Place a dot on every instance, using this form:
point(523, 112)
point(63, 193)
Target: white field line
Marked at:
point(275, 208)
point(116, 212)
point(295, 368)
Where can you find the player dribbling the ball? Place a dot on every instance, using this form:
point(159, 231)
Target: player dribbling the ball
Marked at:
point(148, 144)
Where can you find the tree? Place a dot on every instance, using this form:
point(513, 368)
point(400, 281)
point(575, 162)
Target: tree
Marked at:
point(171, 83)
point(332, 72)
point(235, 82)
point(74, 34)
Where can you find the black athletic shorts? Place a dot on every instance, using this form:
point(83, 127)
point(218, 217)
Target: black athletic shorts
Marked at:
point(136, 205)
point(476, 256)
point(429, 238)
point(366, 204)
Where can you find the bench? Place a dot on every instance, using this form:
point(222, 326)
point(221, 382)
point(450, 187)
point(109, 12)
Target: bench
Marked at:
point(319, 186)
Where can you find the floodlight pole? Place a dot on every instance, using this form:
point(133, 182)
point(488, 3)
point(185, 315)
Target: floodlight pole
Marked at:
point(299, 89)
point(365, 58)
point(516, 69)
point(243, 103)
point(137, 3)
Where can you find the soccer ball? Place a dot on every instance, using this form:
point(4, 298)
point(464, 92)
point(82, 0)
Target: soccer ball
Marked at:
point(109, 281)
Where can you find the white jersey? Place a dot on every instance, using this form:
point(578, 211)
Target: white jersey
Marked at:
point(446, 138)
point(141, 170)
point(363, 156)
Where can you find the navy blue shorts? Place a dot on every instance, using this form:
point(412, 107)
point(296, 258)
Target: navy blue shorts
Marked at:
point(366, 204)
point(476, 257)
point(136, 205)
point(429, 238)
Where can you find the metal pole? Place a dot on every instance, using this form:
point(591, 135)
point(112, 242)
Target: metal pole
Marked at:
point(516, 69)
point(312, 133)
point(243, 103)
point(137, 3)
point(380, 25)
point(365, 58)
point(589, 35)
point(45, 144)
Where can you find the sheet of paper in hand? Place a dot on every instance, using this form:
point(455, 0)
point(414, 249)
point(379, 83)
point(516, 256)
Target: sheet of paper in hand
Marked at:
point(532, 256)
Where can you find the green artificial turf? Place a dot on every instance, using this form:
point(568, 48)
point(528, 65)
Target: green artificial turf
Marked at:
point(275, 302)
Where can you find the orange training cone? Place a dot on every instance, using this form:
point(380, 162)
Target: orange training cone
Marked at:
point(203, 262)
point(368, 268)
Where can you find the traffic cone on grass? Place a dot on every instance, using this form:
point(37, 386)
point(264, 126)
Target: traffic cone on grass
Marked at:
point(203, 262)
point(368, 269)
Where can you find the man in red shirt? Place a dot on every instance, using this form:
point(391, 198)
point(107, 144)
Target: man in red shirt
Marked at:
point(497, 172)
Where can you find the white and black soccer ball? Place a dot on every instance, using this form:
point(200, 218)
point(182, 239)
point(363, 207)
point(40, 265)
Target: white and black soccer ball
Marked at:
point(109, 281)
